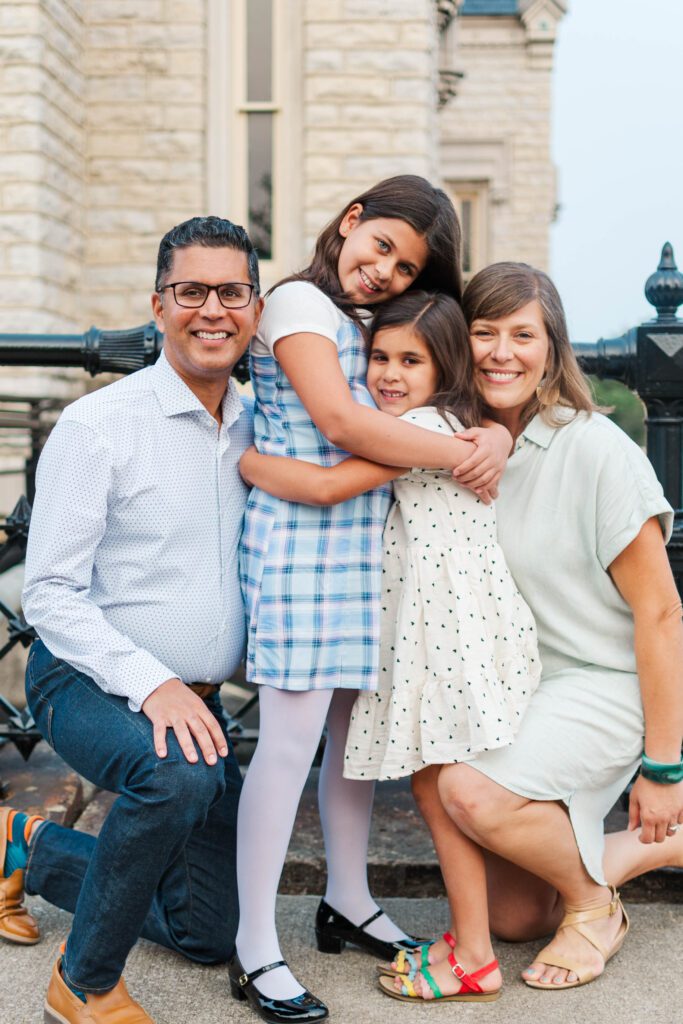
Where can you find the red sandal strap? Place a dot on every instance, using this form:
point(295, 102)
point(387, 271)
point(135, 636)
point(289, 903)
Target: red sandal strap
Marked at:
point(449, 940)
point(483, 971)
point(470, 982)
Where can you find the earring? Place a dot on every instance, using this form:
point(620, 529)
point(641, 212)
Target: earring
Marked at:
point(547, 396)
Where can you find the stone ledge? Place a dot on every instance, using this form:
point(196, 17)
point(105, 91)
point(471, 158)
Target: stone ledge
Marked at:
point(401, 858)
point(43, 785)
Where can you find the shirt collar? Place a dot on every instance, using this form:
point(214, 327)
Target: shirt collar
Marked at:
point(538, 431)
point(175, 397)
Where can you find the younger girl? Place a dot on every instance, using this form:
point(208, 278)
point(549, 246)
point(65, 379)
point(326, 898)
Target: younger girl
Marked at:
point(311, 576)
point(459, 659)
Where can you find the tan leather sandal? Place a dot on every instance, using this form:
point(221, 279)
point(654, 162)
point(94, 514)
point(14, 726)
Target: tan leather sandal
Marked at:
point(577, 919)
point(16, 924)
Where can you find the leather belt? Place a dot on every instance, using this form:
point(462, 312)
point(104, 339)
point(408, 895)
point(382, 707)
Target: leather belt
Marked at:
point(204, 690)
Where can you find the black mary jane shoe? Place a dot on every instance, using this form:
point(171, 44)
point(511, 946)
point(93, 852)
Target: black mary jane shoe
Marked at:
point(333, 931)
point(302, 1009)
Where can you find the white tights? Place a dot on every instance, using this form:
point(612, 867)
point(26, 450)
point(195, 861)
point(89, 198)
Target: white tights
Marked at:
point(290, 728)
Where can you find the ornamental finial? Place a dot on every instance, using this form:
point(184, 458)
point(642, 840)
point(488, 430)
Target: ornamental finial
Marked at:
point(664, 288)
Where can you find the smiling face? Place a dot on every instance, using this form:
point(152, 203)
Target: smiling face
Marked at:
point(510, 357)
point(401, 372)
point(202, 345)
point(379, 258)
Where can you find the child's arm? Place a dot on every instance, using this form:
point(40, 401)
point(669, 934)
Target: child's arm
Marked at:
point(311, 363)
point(309, 484)
point(468, 470)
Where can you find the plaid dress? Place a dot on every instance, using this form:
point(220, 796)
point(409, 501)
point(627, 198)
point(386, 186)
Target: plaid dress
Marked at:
point(311, 576)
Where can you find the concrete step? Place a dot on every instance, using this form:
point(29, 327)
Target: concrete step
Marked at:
point(401, 857)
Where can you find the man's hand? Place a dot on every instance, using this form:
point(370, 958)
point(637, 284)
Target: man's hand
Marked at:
point(174, 706)
point(654, 806)
point(484, 467)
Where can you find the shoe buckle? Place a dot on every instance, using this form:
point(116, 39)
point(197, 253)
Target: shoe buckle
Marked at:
point(243, 979)
point(458, 970)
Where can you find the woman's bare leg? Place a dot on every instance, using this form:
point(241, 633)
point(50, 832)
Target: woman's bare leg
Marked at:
point(538, 837)
point(522, 907)
point(626, 857)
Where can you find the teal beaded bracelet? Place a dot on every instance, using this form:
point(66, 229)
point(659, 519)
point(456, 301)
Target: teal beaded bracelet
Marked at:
point(655, 771)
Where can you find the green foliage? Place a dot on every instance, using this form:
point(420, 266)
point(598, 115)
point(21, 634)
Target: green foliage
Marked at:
point(628, 411)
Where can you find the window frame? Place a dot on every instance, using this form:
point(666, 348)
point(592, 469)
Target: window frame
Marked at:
point(477, 193)
point(228, 110)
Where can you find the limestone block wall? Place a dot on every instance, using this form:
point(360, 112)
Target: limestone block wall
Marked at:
point(145, 117)
point(369, 106)
point(497, 130)
point(42, 192)
point(42, 164)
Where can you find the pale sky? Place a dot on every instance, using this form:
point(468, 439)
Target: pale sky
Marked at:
point(618, 147)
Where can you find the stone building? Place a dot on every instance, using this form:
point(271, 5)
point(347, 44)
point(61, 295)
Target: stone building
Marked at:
point(120, 118)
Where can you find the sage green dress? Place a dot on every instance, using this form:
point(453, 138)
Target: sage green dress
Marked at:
point(572, 498)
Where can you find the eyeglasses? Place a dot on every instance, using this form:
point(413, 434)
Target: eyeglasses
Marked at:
point(193, 294)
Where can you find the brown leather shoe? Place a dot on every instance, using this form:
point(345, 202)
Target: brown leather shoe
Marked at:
point(16, 924)
point(114, 1007)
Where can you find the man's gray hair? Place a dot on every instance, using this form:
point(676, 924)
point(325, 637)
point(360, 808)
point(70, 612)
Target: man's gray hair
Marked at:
point(212, 232)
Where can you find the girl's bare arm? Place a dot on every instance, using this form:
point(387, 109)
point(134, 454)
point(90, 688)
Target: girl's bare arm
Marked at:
point(312, 366)
point(310, 484)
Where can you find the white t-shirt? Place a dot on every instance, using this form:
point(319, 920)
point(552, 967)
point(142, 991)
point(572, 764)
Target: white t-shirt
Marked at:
point(297, 307)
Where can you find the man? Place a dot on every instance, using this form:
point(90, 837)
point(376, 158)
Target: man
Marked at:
point(132, 586)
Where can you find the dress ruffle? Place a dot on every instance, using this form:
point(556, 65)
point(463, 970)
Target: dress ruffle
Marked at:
point(459, 664)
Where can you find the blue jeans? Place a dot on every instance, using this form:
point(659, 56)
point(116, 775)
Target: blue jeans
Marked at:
point(163, 866)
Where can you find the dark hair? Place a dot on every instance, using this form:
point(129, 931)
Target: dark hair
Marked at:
point(406, 197)
point(502, 289)
point(211, 232)
point(438, 320)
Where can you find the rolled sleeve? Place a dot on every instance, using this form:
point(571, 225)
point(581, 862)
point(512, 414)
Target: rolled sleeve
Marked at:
point(628, 494)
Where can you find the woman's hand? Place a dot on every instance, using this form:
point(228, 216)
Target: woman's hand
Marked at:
point(654, 806)
point(643, 577)
point(485, 466)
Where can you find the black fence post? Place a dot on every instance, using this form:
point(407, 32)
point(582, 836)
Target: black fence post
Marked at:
point(649, 359)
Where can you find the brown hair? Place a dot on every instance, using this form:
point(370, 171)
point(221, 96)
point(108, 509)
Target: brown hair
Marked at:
point(502, 289)
point(438, 320)
point(405, 197)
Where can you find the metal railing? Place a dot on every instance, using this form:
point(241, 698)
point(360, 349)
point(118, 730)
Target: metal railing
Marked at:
point(648, 359)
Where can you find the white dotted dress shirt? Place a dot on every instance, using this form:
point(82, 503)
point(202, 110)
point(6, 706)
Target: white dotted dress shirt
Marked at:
point(131, 568)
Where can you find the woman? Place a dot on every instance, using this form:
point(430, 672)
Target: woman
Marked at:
point(582, 522)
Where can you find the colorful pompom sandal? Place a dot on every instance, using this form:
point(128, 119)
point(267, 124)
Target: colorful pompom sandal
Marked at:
point(406, 961)
point(470, 989)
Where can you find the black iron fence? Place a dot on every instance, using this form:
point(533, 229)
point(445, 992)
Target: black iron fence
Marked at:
point(648, 359)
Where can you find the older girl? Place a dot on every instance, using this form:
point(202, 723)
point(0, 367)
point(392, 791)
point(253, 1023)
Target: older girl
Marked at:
point(311, 576)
